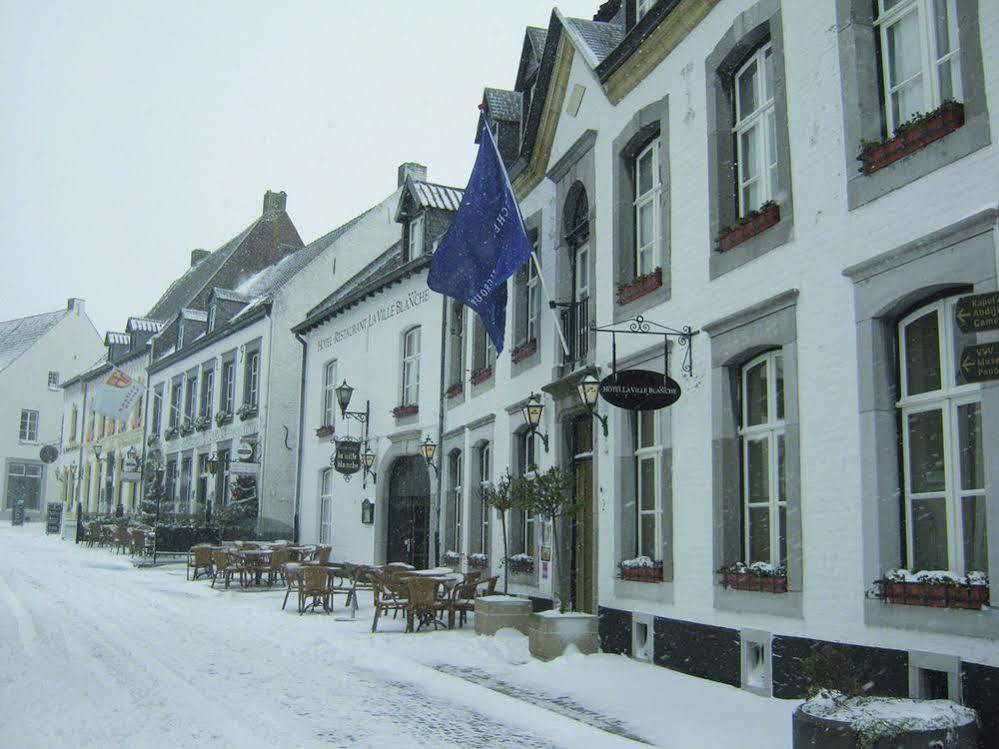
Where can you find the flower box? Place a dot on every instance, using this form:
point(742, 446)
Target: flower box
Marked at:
point(755, 583)
point(936, 594)
point(186, 428)
point(202, 423)
point(478, 561)
point(640, 573)
point(324, 431)
point(247, 411)
point(481, 375)
point(222, 418)
point(451, 558)
point(153, 439)
point(911, 136)
point(524, 350)
point(170, 433)
point(639, 287)
point(520, 565)
point(401, 412)
point(755, 222)
point(455, 390)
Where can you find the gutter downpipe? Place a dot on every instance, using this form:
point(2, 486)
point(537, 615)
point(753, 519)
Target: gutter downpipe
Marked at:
point(440, 431)
point(141, 486)
point(79, 483)
point(301, 432)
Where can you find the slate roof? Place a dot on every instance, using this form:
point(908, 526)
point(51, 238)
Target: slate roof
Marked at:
point(17, 336)
point(144, 325)
point(194, 279)
point(194, 314)
point(597, 37)
point(502, 104)
point(538, 37)
point(430, 195)
point(229, 296)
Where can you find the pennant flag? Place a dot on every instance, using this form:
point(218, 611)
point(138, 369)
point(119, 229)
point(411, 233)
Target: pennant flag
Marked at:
point(116, 395)
point(485, 244)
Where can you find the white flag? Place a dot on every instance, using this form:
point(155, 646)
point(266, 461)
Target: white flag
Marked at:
point(116, 395)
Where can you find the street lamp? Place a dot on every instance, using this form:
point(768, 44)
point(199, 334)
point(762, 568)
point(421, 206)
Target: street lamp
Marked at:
point(369, 460)
point(589, 390)
point(343, 394)
point(429, 448)
point(532, 411)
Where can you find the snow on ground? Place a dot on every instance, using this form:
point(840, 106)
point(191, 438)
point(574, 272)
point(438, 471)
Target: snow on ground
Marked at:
point(98, 653)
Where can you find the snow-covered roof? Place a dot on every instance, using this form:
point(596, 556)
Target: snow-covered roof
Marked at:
point(594, 39)
point(114, 338)
point(231, 296)
point(430, 195)
point(144, 325)
point(502, 104)
point(197, 315)
point(17, 336)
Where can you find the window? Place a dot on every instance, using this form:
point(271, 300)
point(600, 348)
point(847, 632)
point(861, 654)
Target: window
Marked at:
point(523, 536)
point(647, 484)
point(170, 482)
point(157, 408)
point(184, 499)
point(755, 130)
point(329, 394)
point(28, 431)
point(919, 57)
point(191, 397)
point(416, 230)
point(24, 482)
point(642, 7)
point(411, 367)
point(484, 354)
point(527, 295)
point(761, 437)
point(533, 299)
point(53, 380)
point(647, 189)
point(485, 480)
point(73, 418)
point(176, 392)
point(326, 507)
point(222, 478)
point(251, 379)
point(202, 488)
point(455, 471)
point(457, 344)
point(943, 462)
point(228, 386)
point(207, 390)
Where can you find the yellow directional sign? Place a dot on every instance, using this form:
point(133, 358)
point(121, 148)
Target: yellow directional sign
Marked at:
point(980, 363)
point(978, 312)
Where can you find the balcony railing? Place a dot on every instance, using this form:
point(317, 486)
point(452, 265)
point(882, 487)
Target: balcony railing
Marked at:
point(576, 327)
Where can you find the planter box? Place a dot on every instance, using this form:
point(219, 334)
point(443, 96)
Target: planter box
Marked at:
point(493, 613)
point(520, 567)
point(222, 419)
point(814, 732)
point(478, 564)
point(937, 125)
point(401, 412)
point(759, 221)
point(524, 351)
point(481, 375)
point(455, 390)
point(936, 595)
point(550, 633)
point(640, 287)
point(643, 574)
point(324, 431)
point(249, 414)
point(755, 583)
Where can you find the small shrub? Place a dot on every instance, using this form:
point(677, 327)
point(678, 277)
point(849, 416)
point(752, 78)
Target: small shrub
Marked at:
point(829, 668)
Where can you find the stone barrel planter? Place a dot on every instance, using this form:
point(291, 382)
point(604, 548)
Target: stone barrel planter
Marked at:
point(493, 613)
point(551, 632)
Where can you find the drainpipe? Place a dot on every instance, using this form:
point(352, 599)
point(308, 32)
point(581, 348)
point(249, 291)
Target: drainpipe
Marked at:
point(141, 485)
point(440, 431)
point(79, 483)
point(301, 433)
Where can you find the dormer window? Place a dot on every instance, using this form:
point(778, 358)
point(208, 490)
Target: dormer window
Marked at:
point(642, 7)
point(415, 248)
point(211, 317)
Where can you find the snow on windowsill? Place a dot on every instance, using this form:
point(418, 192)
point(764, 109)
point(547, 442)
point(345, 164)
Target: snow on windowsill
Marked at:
point(936, 577)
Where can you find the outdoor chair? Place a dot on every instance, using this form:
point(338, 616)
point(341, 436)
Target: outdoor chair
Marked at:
point(254, 566)
point(463, 598)
point(275, 568)
point(225, 566)
point(138, 541)
point(292, 573)
point(424, 605)
point(360, 580)
point(93, 534)
point(388, 595)
point(322, 555)
point(121, 539)
point(315, 585)
point(199, 559)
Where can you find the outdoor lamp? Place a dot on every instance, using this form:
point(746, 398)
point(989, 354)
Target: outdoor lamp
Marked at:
point(429, 449)
point(343, 394)
point(369, 460)
point(589, 391)
point(367, 512)
point(97, 450)
point(532, 411)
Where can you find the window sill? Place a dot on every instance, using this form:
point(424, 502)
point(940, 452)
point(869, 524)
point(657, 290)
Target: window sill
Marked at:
point(756, 222)
point(402, 412)
point(456, 389)
point(766, 238)
point(639, 287)
point(943, 121)
point(745, 601)
point(652, 574)
point(754, 583)
point(324, 431)
point(524, 351)
point(244, 415)
point(482, 375)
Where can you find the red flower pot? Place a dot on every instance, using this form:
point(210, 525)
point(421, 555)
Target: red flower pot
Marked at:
point(643, 574)
point(915, 137)
point(756, 583)
point(640, 287)
point(481, 375)
point(768, 216)
point(401, 412)
point(455, 390)
point(324, 431)
point(936, 595)
point(523, 351)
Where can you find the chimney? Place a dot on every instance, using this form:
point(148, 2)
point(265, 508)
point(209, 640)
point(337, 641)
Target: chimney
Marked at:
point(411, 169)
point(75, 304)
point(274, 202)
point(198, 255)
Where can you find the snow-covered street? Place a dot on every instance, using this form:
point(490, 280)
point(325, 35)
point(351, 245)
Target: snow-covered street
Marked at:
point(99, 653)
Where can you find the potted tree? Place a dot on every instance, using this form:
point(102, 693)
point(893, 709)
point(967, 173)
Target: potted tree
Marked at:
point(502, 498)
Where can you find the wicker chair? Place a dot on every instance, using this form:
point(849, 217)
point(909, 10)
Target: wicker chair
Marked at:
point(275, 569)
point(121, 539)
point(199, 559)
point(315, 585)
point(463, 598)
point(389, 595)
point(322, 555)
point(292, 573)
point(93, 534)
point(424, 605)
point(226, 566)
point(138, 542)
point(360, 580)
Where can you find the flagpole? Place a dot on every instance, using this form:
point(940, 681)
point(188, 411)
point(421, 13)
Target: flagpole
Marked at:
point(534, 256)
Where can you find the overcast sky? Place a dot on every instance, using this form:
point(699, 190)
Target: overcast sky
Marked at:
point(133, 132)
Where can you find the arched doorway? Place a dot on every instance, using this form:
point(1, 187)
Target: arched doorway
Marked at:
point(408, 531)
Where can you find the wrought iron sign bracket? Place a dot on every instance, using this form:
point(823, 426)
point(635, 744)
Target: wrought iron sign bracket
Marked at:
point(641, 326)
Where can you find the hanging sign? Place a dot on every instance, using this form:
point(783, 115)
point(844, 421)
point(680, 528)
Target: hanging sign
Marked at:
point(48, 454)
point(347, 458)
point(980, 363)
point(245, 452)
point(978, 312)
point(639, 390)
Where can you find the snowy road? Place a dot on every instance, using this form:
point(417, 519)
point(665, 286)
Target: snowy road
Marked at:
point(98, 653)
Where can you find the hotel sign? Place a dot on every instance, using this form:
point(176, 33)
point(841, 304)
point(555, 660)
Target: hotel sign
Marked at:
point(347, 458)
point(978, 312)
point(369, 321)
point(639, 390)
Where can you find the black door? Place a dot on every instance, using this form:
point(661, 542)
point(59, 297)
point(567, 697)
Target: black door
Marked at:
point(409, 512)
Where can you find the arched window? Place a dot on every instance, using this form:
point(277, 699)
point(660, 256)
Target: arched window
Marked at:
point(943, 467)
point(326, 506)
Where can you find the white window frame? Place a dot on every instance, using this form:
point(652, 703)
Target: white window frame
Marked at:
point(191, 396)
point(532, 291)
point(326, 506)
point(530, 448)
point(948, 399)
point(642, 7)
point(74, 417)
point(644, 453)
point(930, 61)
point(176, 401)
point(411, 366)
point(771, 430)
point(581, 274)
point(28, 427)
point(416, 231)
point(251, 387)
point(53, 380)
point(207, 388)
point(763, 120)
point(485, 481)
point(457, 344)
point(329, 394)
point(456, 470)
point(25, 470)
point(646, 248)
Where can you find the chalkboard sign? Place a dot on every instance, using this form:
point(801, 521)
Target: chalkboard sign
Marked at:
point(17, 512)
point(53, 517)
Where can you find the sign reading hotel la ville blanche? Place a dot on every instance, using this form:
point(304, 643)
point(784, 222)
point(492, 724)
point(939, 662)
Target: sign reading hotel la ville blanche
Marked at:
point(400, 306)
point(978, 312)
point(347, 458)
point(639, 390)
point(980, 363)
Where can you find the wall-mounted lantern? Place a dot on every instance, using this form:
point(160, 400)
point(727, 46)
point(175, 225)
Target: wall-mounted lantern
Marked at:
point(532, 411)
point(369, 460)
point(367, 512)
point(589, 391)
point(428, 448)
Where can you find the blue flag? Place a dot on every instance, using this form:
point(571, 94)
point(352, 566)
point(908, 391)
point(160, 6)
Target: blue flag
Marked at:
point(486, 243)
